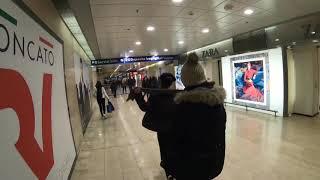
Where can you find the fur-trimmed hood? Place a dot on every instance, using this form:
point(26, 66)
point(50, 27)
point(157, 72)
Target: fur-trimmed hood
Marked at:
point(211, 97)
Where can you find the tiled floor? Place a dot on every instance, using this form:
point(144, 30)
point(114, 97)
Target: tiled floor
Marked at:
point(259, 147)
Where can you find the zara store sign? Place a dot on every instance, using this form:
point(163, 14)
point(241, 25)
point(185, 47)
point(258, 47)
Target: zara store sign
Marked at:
point(35, 133)
point(210, 53)
point(215, 50)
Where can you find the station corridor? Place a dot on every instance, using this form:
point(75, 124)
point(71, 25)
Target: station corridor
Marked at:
point(259, 147)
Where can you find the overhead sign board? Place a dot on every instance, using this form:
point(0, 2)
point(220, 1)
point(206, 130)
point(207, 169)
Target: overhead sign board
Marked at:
point(36, 138)
point(134, 59)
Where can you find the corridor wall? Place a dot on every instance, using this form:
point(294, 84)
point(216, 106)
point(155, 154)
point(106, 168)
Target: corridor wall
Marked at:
point(211, 69)
point(303, 69)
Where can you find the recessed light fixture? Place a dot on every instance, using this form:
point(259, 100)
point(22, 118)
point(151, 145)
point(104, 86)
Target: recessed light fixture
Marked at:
point(313, 32)
point(248, 12)
point(181, 42)
point(205, 30)
point(131, 51)
point(150, 28)
point(315, 41)
point(166, 50)
point(138, 43)
point(277, 40)
point(177, 1)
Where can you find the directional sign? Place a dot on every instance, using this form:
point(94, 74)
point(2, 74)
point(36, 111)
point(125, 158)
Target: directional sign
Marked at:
point(134, 59)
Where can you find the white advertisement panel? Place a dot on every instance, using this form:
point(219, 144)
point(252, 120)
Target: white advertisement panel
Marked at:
point(255, 79)
point(35, 134)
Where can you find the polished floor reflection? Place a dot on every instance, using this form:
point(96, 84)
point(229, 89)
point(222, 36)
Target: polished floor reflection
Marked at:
point(259, 147)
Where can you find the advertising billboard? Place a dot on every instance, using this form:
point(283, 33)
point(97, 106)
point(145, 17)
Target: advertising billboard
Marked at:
point(179, 84)
point(249, 81)
point(36, 138)
point(83, 85)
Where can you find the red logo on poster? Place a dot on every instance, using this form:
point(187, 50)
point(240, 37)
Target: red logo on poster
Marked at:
point(15, 94)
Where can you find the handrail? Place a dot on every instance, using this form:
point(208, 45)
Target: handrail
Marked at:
point(275, 112)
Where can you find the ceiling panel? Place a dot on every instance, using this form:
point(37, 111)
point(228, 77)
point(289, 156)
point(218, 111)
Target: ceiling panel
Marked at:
point(248, 1)
point(134, 10)
point(235, 6)
point(191, 13)
point(231, 18)
point(205, 4)
point(118, 25)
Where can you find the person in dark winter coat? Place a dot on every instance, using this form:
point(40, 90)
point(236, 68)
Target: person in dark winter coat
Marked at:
point(114, 88)
point(197, 151)
point(101, 95)
point(159, 112)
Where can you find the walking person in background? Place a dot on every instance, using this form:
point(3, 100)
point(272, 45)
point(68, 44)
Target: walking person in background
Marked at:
point(124, 85)
point(101, 95)
point(131, 83)
point(154, 82)
point(159, 112)
point(114, 88)
point(198, 148)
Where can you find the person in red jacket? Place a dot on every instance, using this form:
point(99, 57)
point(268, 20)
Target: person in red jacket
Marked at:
point(250, 92)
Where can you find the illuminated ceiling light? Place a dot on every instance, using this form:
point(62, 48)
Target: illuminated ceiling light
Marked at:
point(177, 1)
point(150, 28)
point(166, 50)
point(131, 51)
point(248, 12)
point(138, 43)
point(205, 30)
point(313, 32)
point(75, 29)
point(277, 40)
point(181, 42)
point(315, 41)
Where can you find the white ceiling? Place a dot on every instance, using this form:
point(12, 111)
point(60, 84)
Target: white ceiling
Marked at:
point(118, 26)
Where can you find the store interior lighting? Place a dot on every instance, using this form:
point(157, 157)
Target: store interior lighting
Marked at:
point(147, 67)
point(75, 29)
point(115, 70)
